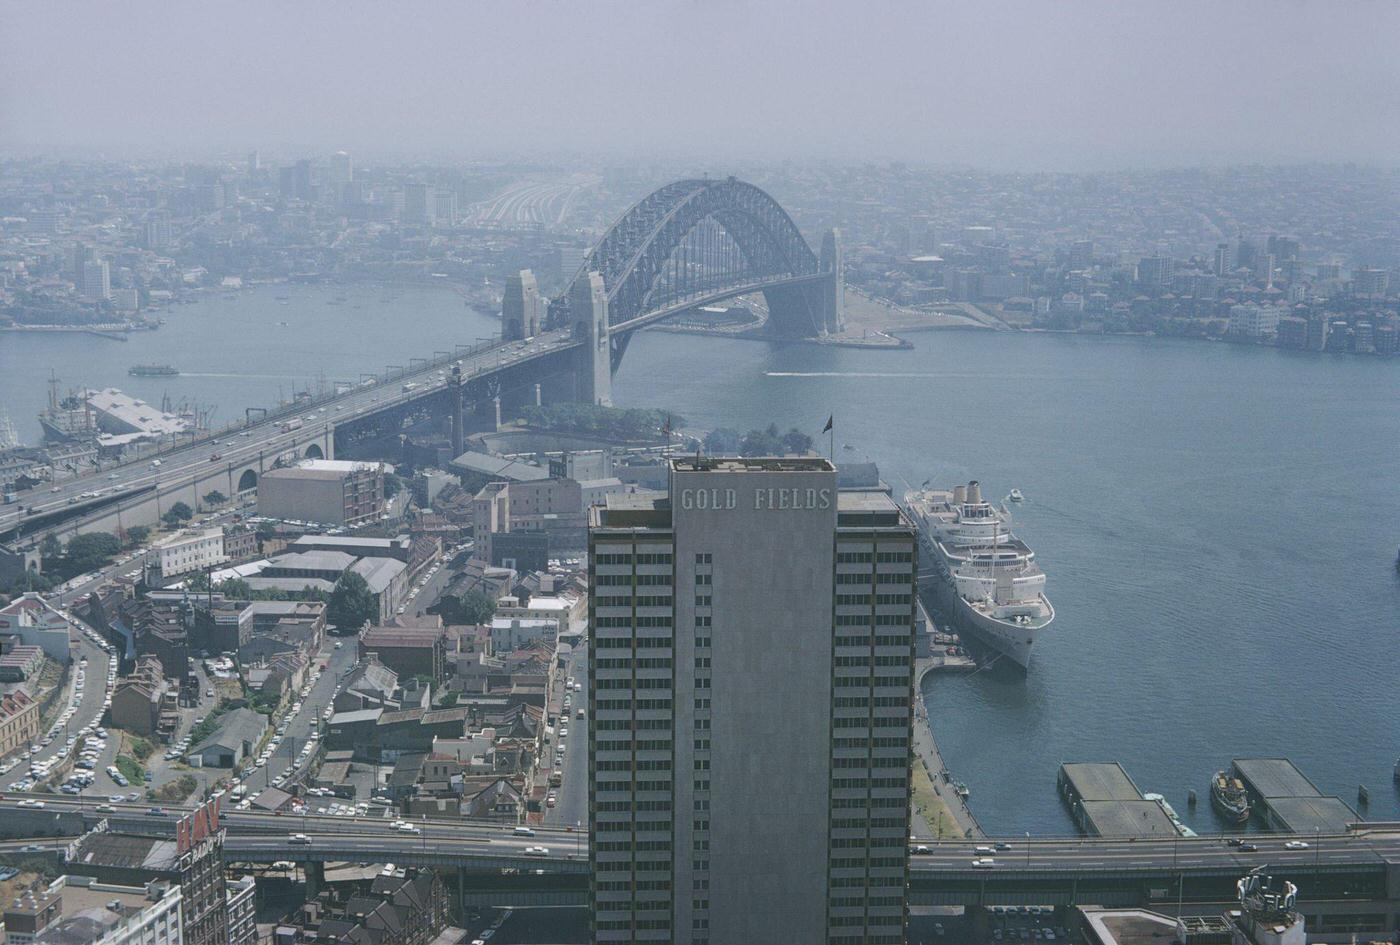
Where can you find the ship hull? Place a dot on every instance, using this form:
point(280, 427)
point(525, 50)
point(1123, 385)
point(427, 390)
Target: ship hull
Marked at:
point(1012, 641)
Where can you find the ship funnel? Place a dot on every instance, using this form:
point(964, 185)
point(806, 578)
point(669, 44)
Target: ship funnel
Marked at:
point(974, 492)
point(960, 494)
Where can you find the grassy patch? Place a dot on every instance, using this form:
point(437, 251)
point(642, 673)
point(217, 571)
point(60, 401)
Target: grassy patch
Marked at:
point(928, 805)
point(177, 790)
point(131, 768)
point(140, 748)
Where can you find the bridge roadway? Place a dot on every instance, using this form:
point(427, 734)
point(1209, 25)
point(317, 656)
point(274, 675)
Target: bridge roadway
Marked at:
point(247, 446)
point(260, 836)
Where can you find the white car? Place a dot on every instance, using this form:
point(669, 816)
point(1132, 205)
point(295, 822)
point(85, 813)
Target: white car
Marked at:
point(537, 851)
point(1296, 845)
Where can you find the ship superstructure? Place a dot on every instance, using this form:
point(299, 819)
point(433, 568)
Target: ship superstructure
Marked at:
point(987, 578)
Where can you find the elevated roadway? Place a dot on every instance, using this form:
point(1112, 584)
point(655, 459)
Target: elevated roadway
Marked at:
point(1357, 873)
point(231, 460)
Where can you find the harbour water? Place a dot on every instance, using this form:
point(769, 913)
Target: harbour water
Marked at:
point(238, 350)
point(1219, 523)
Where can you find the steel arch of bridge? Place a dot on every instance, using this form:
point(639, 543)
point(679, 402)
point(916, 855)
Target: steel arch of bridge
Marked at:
point(643, 273)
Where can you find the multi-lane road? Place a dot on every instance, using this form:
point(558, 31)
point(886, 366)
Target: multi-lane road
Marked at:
point(224, 452)
point(261, 834)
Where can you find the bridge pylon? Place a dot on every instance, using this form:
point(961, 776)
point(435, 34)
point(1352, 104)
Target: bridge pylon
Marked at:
point(588, 307)
point(834, 301)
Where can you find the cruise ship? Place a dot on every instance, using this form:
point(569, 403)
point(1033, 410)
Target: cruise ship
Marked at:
point(987, 577)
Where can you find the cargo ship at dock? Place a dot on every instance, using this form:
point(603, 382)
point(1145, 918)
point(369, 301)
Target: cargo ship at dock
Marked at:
point(987, 578)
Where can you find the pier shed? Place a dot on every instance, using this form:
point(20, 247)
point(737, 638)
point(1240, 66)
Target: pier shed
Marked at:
point(1105, 802)
point(1288, 800)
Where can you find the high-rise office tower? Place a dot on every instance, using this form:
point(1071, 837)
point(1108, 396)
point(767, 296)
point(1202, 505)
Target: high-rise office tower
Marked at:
point(97, 280)
point(520, 306)
point(1155, 270)
point(419, 204)
point(1223, 257)
point(157, 233)
point(750, 689)
point(341, 170)
point(1264, 269)
point(1283, 248)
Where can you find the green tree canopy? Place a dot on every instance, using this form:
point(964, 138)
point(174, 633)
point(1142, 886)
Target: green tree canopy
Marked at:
point(351, 605)
point(477, 607)
point(181, 511)
point(137, 535)
point(215, 497)
point(722, 442)
point(89, 552)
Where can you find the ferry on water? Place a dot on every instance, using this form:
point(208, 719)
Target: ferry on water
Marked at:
point(987, 577)
point(1228, 796)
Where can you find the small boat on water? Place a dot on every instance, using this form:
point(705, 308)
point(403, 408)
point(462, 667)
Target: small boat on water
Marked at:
point(1228, 796)
point(1016, 495)
point(152, 370)
point(961, 789)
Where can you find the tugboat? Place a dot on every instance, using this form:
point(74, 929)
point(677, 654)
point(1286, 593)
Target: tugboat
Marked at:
point(1228, 796)
point(152, 370)
point(1016, 495)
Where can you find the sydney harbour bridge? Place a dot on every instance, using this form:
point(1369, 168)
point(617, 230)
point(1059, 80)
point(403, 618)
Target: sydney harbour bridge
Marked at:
point(690, 243)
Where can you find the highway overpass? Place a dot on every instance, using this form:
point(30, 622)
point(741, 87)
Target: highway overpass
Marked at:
point(1353, 873)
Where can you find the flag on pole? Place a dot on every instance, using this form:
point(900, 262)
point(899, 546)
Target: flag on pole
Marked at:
point(829, 419)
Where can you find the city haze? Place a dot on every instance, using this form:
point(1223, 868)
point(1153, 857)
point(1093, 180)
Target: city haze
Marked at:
point(1069, 86)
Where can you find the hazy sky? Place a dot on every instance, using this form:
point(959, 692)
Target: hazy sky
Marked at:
point(1059, 85)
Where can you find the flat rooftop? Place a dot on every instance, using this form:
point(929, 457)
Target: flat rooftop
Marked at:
point(1307, 815)
point(749, 464)
point(1138, 818)
point(1100, 781)
point(1274, 777)
point(1128, 926)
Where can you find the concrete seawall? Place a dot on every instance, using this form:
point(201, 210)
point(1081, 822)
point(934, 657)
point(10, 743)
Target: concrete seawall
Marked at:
point(945, 813)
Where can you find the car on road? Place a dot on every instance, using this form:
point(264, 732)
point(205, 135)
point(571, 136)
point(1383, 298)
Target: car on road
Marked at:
point(984, 850)
point(298, 838)
point(984, 863)
point(523, 832)
point(1248, 848)
point(537, 851)
point(919, 849)
point(1296, 845)
point(1002, 846)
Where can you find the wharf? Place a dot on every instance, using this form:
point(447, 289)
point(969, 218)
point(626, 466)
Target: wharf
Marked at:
point(938, 810)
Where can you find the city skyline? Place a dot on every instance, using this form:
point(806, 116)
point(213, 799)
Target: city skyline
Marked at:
point(1090, 85)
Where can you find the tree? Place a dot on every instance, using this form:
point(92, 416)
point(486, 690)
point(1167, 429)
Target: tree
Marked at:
point(182, 511)
point(351, 605)
point(722, 442)
point(392, 485)
point(197, 582)
point(762, 442)
point(215, 497)
point(795, 441)
point(137, 535)
point(476, 608)
point(50, 548)
point(89, 552)
point(235, 589)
